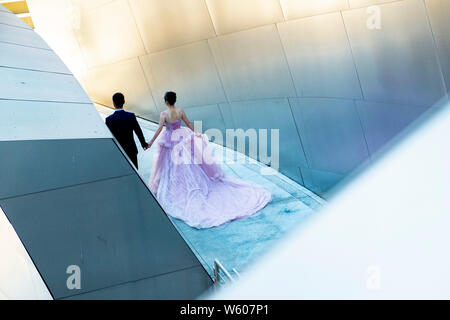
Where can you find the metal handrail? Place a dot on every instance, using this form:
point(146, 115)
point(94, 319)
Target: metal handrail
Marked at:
point(216, 273)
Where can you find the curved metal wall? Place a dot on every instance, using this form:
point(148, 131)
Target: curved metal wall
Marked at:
point(337, 90)
point(59, 171)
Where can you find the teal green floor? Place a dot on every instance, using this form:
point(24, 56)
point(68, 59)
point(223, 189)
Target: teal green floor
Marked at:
point(240, 242)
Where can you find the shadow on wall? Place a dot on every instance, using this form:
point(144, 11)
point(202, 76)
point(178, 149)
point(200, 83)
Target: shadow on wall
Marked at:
point(337, 87)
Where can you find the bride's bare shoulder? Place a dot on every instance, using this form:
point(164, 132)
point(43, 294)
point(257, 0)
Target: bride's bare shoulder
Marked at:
point(162, 116)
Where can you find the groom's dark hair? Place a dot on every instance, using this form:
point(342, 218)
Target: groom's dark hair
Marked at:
point(170, 97)
point(118, 100)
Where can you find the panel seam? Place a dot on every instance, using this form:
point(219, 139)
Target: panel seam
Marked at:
point(132, 281)
point(36, 70)
point(65, 187)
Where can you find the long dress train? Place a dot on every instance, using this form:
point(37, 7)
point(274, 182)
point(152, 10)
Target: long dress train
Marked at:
point(193, 188)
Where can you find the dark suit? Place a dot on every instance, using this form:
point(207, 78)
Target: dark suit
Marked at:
point(122, 124)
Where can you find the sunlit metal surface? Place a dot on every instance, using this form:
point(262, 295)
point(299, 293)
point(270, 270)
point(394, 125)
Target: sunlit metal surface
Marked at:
point(365, 3)
point(294, 9)
point(236, 15)
point(17, 56)
point(398, 63)
point(37, 120)
point(318, 71)
point(130, 80)
point(168, 24)
point(102, 40)
point(252, 65)
point(12, 20)
point(249, 53)
point(20, 83)
point(172, 69)
point(22, 36)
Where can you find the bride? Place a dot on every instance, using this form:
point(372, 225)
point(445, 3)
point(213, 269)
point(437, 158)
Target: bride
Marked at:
point(197, 190)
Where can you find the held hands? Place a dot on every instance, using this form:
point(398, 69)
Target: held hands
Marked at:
point(147, 146)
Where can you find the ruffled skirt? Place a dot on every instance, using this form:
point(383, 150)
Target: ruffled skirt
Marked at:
point(192, 187)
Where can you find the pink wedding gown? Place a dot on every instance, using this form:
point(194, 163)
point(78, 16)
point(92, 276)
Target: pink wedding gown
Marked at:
point(191, 187)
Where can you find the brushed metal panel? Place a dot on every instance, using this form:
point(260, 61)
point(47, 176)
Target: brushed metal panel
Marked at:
point(331, 133)
point(227, 115)
point(32, 120)
point(37, 166)
point(17, 56)
point(127, 77)
point(87, 5)
point(272, 114)
point(252, 64)
point(32, 85)
point(182, 284)
point(59, 31)
point(114, 239)
point(12, 20)
point(188, 70)
point(319, 181)
point(320, 57)
point(210, 116)
point(167, 24)
point(293, 173)
point(439, 14)
point(382, 122)
point(397, 64)
point(105, 40)
point(21, 36)
point(236, 15)
point(303, 8)
point(365, 3)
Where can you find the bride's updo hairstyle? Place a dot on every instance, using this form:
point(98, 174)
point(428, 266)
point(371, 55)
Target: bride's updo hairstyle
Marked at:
point(170, 97)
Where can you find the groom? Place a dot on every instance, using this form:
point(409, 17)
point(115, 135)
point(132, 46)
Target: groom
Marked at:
point(122, 124)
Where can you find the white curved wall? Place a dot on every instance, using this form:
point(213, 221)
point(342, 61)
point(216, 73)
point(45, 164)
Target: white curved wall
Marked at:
point(19, 278)
point(338, 90)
